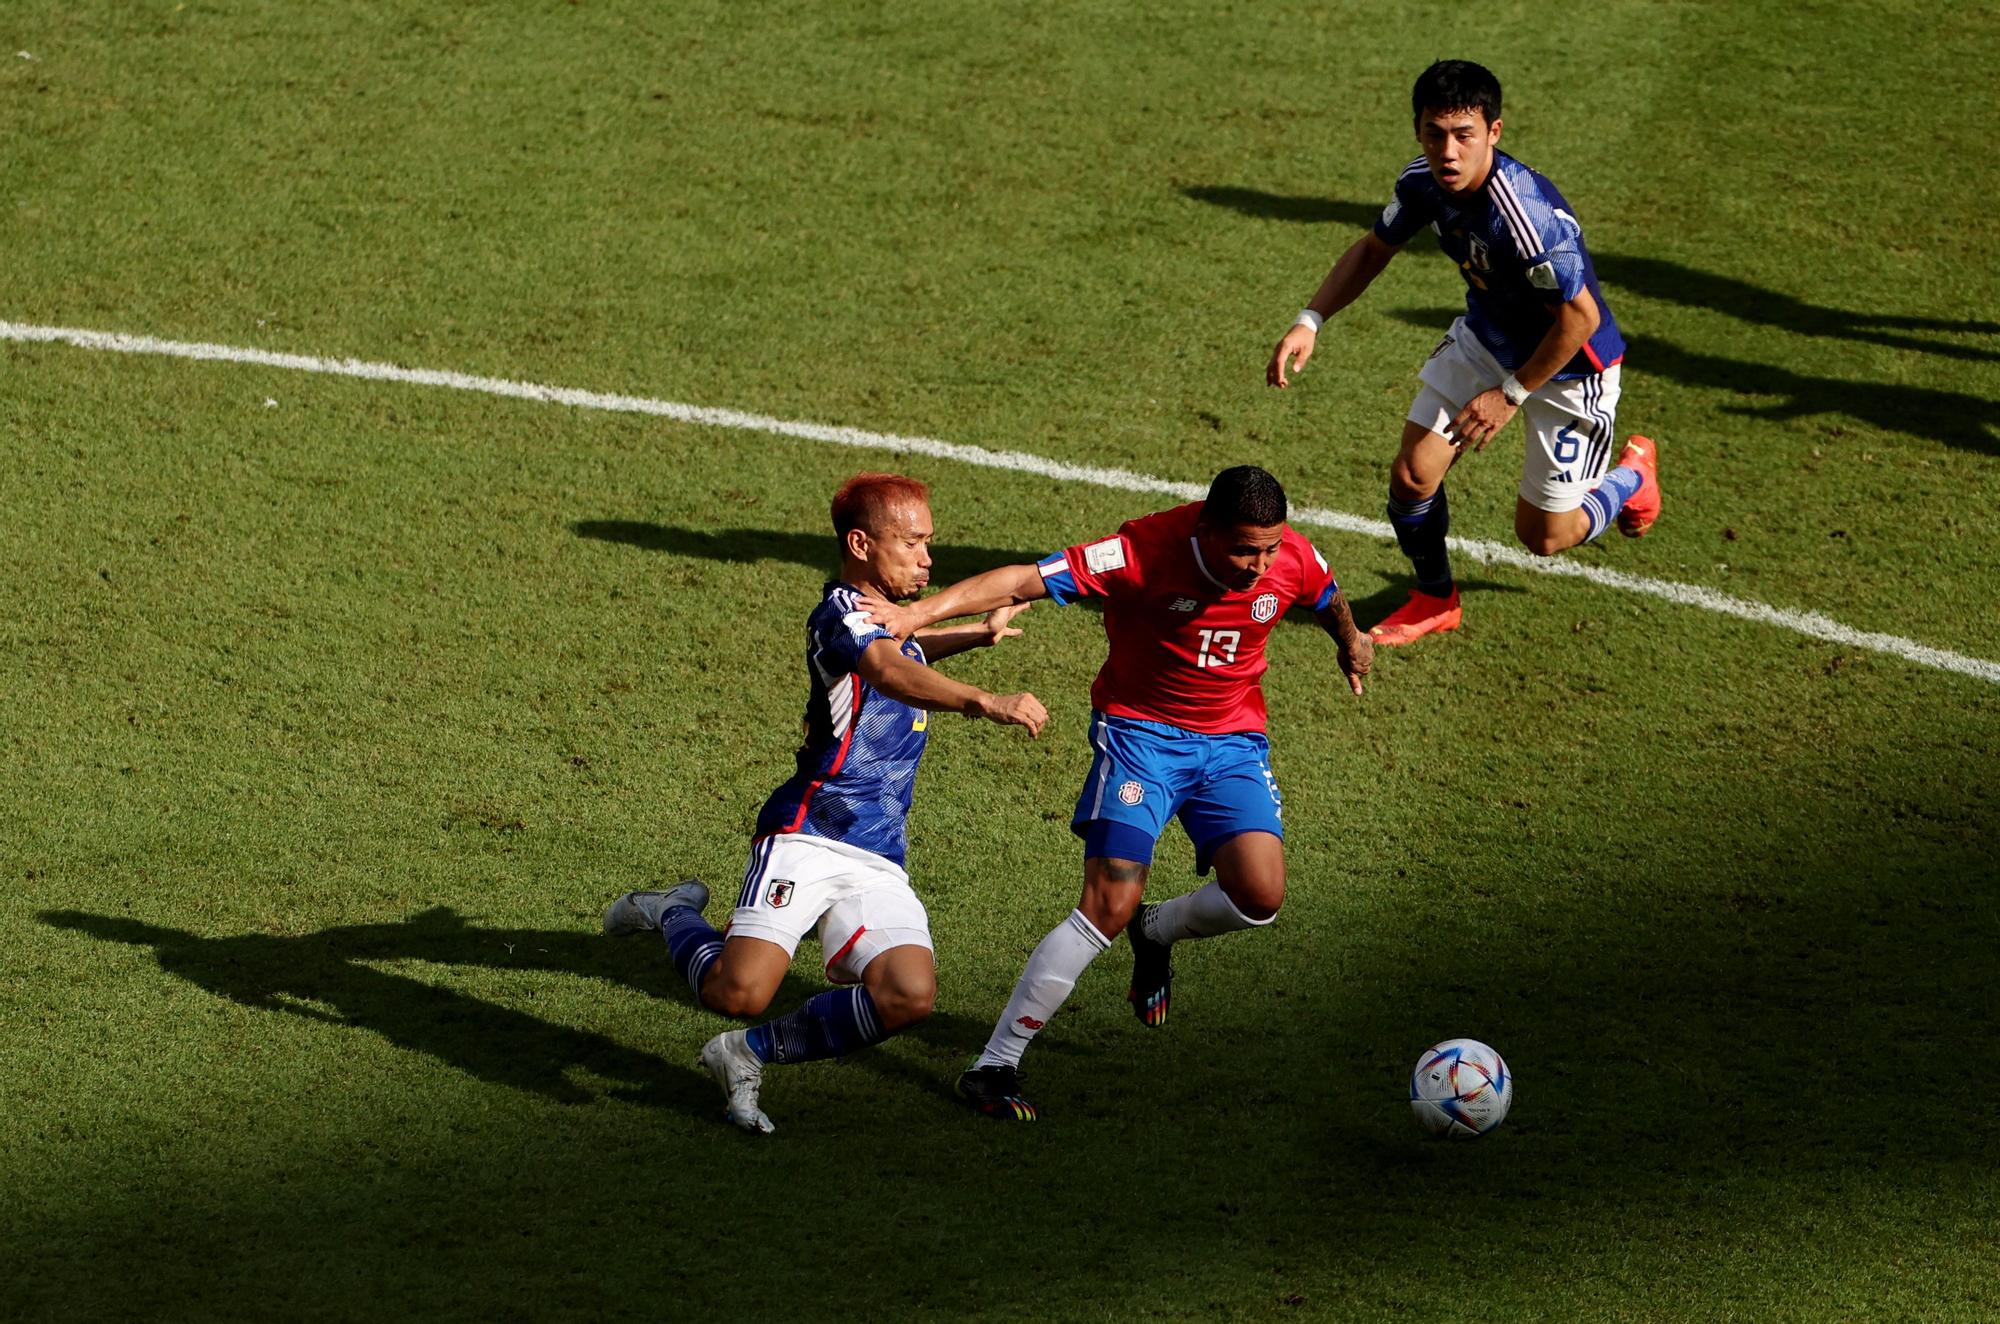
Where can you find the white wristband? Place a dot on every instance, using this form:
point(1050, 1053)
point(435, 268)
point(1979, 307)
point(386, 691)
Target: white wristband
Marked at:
point(1514, 391)
point(1309, 319)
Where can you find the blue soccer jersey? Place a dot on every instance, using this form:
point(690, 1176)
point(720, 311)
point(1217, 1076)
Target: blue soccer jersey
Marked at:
point(859, 762)
point(1519, 247)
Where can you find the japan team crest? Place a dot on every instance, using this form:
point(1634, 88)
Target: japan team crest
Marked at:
point(780, 894)
point(1264, 608)
point(1131, 793)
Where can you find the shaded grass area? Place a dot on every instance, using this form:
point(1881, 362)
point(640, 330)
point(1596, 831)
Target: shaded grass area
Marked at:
point(335, 719)
point(322, 1027)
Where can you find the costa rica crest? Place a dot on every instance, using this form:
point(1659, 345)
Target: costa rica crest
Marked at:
point(1264, 608)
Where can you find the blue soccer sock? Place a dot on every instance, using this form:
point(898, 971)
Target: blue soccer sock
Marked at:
point(692, 942)
point(1608, 497)
point(830, 1024)
point(1420, 524)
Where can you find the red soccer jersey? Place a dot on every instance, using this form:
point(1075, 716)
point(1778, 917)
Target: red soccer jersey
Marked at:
point(1185, 649)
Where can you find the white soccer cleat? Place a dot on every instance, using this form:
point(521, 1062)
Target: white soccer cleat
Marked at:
point(740, 1073)
point(639, 912)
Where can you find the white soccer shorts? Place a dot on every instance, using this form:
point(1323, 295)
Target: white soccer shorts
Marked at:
point(862, 903)
point(1570, 423)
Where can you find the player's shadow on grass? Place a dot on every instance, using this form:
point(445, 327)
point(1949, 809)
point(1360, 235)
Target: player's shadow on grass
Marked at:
point(1657, 278)
point(1395, 591)
point(1671, 282)
point(326, 977)
point(815, 551)
point(1950, 417)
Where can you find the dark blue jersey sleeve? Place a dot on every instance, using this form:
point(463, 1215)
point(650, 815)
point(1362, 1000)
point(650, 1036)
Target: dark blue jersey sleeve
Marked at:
point(841, 632)
point(1547, 239)
point(1410, 209)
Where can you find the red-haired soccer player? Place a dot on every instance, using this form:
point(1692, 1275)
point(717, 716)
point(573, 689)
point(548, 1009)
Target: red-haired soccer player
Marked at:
point(829, 844)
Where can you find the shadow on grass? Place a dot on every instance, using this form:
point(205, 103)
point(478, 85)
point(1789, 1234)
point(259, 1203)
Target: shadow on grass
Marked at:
point(1951, 417)
point(325, 977)
point(1703, 1071)
point(817, 552)
point(1658, 278)
point(1371, 609)
point(740, 546)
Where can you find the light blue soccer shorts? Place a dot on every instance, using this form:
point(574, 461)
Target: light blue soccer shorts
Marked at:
point(1145, 773)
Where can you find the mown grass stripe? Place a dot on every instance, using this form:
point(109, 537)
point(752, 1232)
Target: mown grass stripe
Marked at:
point(1808, 623)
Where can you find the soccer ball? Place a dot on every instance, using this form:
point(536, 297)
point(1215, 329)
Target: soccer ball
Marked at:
point(1460, 1089)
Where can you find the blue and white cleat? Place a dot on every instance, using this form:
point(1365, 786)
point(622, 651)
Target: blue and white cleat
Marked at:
point(741, 1074)
point(639, 912)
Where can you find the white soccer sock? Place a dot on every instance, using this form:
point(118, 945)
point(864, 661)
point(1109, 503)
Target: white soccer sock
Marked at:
point(1203, 913)
point(1051, 973)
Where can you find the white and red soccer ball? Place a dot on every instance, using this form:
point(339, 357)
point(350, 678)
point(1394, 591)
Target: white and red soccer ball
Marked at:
point(1460, 1089)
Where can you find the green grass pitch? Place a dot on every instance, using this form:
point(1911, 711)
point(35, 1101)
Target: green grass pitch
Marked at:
point(336, 710)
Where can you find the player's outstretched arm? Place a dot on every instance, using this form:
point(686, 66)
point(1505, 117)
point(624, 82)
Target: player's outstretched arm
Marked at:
point(1354, 272)
point(1008, 586)
point(939, 644)
point(1357, 650)
point(883, 665)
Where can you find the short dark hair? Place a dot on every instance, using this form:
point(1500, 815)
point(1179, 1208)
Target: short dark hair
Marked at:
point(1452, 85)
point(862, 500)
point(1243, 495)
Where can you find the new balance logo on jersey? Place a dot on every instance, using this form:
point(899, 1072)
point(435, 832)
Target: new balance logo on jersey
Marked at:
point(1184, 604)
point(780, 894)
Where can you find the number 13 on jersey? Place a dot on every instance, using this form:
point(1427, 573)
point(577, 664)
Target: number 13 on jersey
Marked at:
point(1218, 648)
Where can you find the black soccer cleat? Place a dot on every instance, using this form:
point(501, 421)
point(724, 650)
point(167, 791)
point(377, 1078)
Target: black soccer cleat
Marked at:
point(996, 1092)
point(1152, 990)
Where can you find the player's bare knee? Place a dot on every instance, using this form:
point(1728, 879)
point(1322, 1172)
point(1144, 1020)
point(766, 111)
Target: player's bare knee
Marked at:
point(1534, 533)
point(1110, 912)
point(1258, 900)
point(1111, 891)
point(1405, 484)
point(1542, 532)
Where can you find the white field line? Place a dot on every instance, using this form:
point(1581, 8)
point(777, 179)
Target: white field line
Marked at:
point(1811, 624)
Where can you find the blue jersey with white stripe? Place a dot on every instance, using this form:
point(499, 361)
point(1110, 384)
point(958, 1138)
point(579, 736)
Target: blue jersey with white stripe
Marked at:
point(858, 764)
point(1520, 248)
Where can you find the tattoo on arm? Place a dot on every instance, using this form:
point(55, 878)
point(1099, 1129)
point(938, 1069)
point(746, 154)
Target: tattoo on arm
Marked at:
point(1337, 619)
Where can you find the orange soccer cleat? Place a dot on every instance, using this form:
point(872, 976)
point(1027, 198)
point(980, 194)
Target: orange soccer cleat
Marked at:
point(1423, 614)
point(1637, 515)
